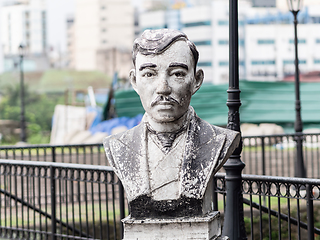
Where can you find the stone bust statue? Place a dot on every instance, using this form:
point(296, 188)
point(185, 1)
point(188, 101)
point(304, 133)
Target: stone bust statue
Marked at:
point(167, 162)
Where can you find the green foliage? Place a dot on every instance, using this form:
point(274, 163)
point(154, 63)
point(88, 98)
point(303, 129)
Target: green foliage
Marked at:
point(39, 109)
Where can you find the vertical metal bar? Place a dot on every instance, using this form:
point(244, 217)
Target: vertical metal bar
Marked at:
point(34, 201)
point(270, 157)
point(66, 199)
point(91, 155)
point(92, 203)
point(298, 215)
point(122, 207)
point(53, 203)
point(16, 200)
point(260, 217)
point(100, 205)
point(269, 217)
point(289, 219)
point(10, 202)
point(79, 199)
point(53, 152)
point(59, 192)
point(107, 202)
point(251, 218)
point(279, 212)
point(46, 199)
point(2, 173)
point(114, 207)
point(5, 198)
point(310, 213)
point(86, 201)
point(39, 201)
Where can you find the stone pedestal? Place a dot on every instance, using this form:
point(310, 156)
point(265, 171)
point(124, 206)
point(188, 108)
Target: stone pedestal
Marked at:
point(184, 228)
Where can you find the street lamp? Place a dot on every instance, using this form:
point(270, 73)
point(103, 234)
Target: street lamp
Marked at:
point(23, 136)
point(294, 7)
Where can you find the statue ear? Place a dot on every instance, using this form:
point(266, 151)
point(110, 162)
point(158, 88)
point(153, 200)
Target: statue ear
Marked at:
point(198, 80)
point(132, 77)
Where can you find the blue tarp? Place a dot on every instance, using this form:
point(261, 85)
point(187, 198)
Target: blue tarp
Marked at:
point(108, 125)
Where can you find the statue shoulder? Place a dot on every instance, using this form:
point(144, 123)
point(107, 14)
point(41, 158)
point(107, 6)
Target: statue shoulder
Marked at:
point(231, 134)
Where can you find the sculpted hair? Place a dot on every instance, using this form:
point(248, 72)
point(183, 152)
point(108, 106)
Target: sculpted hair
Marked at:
point(157, 41)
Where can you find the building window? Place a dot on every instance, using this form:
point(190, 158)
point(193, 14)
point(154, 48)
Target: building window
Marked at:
point(223, 42)
point(317, 40)
point(265, 41)
point(299, 41)
point(224, 63)
point(241, 42)
point(104, 41)
point(204, 64)
point(316, 61)
point(223, 22)
point(286, 62)
point(202, 43)
point(263, 62)
point(103, 30)
point(103, 7)
point(197, 24)
point(103, 19)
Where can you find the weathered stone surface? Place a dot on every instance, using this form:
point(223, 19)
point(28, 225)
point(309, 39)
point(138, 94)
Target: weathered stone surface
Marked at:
point(196, 228)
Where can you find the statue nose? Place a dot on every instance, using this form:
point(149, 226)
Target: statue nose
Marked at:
point(163, 87)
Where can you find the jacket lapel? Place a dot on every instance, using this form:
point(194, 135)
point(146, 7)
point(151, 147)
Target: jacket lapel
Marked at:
point(129, 155)
point(202, 152)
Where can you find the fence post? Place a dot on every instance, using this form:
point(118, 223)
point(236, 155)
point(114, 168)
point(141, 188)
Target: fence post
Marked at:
point(53, 203)
point(310, 217)
point(122, 207)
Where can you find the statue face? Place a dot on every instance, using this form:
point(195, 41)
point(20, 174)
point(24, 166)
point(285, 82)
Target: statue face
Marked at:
point(165, 82)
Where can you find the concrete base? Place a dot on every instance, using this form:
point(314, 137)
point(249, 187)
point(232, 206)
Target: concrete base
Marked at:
point(200, 228)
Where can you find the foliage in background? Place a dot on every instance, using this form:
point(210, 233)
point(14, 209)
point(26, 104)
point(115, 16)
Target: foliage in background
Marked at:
point(39, 110)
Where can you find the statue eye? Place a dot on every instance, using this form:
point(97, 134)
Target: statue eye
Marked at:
point(179, 74)
point(148, 74)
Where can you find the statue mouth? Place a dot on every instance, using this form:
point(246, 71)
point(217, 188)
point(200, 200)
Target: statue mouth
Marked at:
point(164, 100)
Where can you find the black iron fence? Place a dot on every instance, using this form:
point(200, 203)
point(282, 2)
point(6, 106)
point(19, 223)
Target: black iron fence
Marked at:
point(276, 207)
point(76, 153)
point(40, 200)
point(272, 155)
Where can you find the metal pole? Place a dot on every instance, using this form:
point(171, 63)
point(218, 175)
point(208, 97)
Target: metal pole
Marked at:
point(23, 136)
point(233, 225)
point(299, 166)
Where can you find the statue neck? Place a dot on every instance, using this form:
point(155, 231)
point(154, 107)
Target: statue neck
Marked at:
point(168, 126)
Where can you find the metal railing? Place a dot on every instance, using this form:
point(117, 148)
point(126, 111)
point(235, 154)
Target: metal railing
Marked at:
point(76, 153)
point(40, 200)
point(277, 207)
point(274, 155)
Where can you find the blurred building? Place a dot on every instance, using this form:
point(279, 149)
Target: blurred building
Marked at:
point(24, 22)
point(99, 26)
point(266, 33)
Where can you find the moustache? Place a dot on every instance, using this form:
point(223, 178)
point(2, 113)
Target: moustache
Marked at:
point(161, 98)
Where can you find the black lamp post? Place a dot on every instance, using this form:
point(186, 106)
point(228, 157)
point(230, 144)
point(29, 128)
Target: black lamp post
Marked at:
point(23, 136)
point(294, 7)
point(233, 225)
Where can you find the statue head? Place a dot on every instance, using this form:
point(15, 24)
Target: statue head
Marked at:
point(164, 74)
